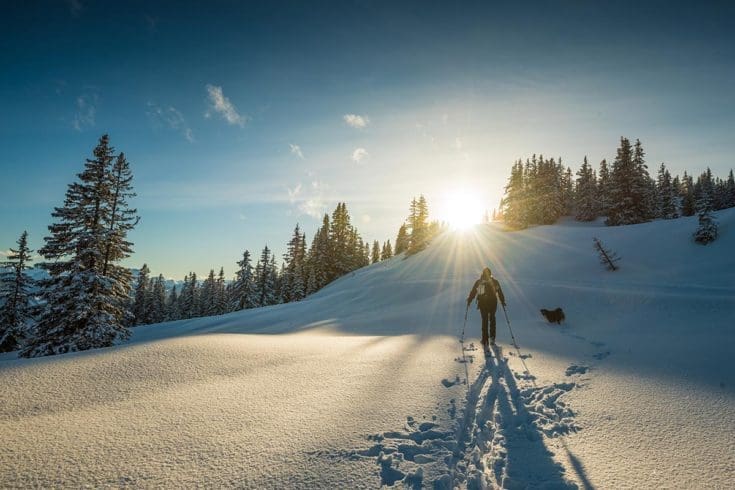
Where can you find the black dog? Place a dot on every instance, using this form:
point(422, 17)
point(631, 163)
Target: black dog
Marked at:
point(553, 316)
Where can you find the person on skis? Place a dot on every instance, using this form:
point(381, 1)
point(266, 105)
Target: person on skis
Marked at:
point(487, 289)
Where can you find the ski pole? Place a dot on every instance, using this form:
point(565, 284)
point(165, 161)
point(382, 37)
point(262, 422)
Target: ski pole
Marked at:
point(518, 349)
point(510, 329)
point(464, 325)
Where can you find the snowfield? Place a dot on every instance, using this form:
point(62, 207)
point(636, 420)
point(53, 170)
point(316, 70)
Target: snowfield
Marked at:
point(363, 384)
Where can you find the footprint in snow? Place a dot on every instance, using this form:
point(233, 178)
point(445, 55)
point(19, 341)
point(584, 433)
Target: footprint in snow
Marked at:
point(448, 384)
point(575, 369)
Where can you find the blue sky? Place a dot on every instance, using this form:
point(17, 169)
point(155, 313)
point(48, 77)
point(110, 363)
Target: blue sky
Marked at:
point(233, 114)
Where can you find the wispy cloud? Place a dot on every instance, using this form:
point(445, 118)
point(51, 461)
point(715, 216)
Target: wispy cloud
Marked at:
point(308, 200)
point(86, 112)
point(296, 150)
point(222, 105)
point(359, 155)
point(170, 117)
point(356, 121)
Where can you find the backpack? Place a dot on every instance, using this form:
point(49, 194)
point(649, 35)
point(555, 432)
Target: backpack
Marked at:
point(485, 288)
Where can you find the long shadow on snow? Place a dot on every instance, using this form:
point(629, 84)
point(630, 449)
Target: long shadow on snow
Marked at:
point(498, 439)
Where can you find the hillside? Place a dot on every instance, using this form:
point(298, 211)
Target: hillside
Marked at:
point(360, 385)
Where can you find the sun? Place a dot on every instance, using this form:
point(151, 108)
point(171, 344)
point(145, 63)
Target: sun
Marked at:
point(461, 209)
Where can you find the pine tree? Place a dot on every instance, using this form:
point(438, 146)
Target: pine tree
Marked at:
point(220, 293)
point(708, 229)
point(263, 282)
point(688, 203)
point(207, 298)
point(402, 240)
point(293, 277)
point(375, 256)
point(387, 251)
point(15, 297)
point(730, 190)
point(339, 238)
point(243, 291)
point(603, 189)
point(141, 296)
point(320, 257)
point(272, 285)
point(586, 193)
point(189, 298)
point(608, 258)
point(172, 305)
point(86, 295)
point(157, 302)
point(666, 194)
point(629, 191)
point(419, 223)
point(513, 206)
point(567, 191)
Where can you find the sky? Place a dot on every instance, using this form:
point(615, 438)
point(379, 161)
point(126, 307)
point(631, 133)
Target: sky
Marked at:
point(241, 119)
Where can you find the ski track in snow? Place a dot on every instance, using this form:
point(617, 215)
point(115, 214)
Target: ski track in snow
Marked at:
point(499, 441)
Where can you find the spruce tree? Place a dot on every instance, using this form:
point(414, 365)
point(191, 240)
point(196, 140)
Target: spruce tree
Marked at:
point(141, 296)
point(172, 305)
point(387, 251)
point(688, 203)
point(339, 238)
point(666, 193)
point(608, 258)
point(603, 189)
point(402, 240)
point(730, 190)
point(273, 283)
point(293, 278)
point(86, 295)
point(220, 293)
point(243, 294)
point(189, 298)
point(586, 193)
point(630, 197)
point(15, 297)
point(419, 223)
point(264, 283)
point(514, 210)
point(157, 302)
point(375, 256)
point(707, 230)
point(207, 298)
point(567, 191)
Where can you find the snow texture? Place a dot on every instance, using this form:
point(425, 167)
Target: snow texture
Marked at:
point(359, 386)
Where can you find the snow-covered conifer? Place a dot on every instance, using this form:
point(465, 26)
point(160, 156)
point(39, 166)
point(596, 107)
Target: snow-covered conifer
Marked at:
point(586, 193)
point(141, 296)
point(15, 297)
point(86, 295)
point(707, 230)
point(666, 193)
point(243, 294)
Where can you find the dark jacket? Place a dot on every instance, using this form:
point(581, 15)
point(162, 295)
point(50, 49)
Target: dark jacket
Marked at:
point(487, 301)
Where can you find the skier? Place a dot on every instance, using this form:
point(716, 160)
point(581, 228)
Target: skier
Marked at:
point(487, 289)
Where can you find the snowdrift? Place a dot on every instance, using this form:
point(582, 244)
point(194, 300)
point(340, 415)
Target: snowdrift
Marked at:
point(361, 384)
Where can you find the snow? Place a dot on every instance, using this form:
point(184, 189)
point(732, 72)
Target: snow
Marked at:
point(360, 384)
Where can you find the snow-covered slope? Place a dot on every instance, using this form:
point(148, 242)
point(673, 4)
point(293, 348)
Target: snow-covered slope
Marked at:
point(362, 384)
